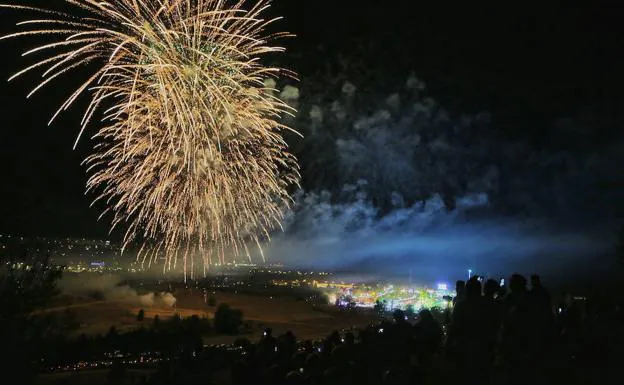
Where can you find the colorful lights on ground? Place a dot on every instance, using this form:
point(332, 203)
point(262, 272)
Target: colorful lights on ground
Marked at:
point(390, 296)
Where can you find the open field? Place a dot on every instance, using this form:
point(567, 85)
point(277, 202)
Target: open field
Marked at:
point(281, 314)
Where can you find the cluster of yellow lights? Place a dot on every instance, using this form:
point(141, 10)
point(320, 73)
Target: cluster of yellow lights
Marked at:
point(189, 155)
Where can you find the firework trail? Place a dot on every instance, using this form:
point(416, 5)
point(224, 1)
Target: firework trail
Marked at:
point(189, 154)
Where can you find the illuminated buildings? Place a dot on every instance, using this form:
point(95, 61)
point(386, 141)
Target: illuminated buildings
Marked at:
point(76, 254)
point(390, 296)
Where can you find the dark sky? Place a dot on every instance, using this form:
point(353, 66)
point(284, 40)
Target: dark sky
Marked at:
point(525, 65)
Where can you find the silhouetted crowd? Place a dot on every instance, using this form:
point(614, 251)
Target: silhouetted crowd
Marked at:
point(490, 335)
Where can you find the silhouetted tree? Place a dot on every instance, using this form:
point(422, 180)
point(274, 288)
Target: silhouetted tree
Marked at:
point(141, 315)
point(112, 332)
point(227, 320)
point(69, 321)
point(112, 338)
point(175, 321)
point(27, 283)
point(380, 307)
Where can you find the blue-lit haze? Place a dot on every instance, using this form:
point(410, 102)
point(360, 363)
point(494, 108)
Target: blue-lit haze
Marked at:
point(395, 183)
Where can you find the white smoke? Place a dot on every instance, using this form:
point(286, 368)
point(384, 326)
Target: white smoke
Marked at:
point(110, 288)
point(167, 299)
point(147, 300)
point(429, 239)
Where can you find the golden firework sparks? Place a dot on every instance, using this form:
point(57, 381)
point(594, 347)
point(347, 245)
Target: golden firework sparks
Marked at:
point(189, 153)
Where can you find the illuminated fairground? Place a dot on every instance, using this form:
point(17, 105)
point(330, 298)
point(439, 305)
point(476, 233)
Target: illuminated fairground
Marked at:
point(391, 297)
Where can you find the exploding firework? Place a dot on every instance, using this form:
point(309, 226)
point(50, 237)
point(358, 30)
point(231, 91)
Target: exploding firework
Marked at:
point(189, 153)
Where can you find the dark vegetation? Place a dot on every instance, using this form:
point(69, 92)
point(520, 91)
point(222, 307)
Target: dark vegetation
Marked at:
point(162, 338)
point(227, 320)
point(26, 285)
point(517, 337)
point(37, 341)
point(490, 337)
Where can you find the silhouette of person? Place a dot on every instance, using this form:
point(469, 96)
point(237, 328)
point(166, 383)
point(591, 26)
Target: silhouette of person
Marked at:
point(467, 340)
point(266, 345)
point(460, 289)
point(492, 309)
point(518, 335)
point(428, 335)
point(540, 296)
point(490, 289)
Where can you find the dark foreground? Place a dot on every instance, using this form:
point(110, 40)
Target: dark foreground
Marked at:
point(489, 337)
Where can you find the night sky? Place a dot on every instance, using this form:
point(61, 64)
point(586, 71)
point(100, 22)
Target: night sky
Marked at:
point(526, 66)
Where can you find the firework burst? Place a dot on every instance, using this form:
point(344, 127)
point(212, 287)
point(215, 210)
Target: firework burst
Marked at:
point(189, 154)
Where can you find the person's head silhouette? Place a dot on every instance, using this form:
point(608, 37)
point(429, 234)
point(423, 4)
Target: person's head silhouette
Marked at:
point(425, 315)
point(398, 316)
point(517, 284)
point(491, 288)
point(460, 287)
point(473, 288)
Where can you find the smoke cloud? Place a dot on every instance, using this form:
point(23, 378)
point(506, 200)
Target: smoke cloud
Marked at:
point(168, 299)
point(376, 168)
point(427, 242)
point(112, 288)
